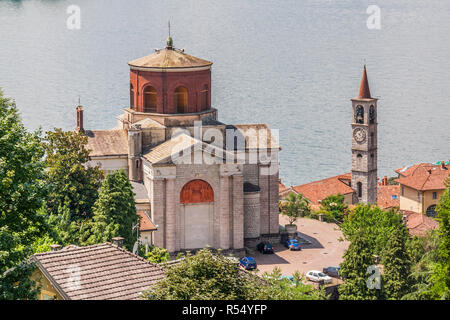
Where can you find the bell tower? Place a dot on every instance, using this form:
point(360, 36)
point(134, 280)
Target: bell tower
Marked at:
point(364, 144)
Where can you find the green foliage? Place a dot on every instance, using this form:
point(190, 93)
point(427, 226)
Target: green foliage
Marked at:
point(357, 259)
point(294, 206)
point(154, 254)
point(334, 207)
point(72, 184)
point(205, 276)
point(115, 211)
point(424, 255)
point(397, 265)
point(441, 270)
point(22, 194)
point(376, 224)
point(15, 284)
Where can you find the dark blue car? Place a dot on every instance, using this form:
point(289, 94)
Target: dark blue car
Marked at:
point(292, 244)
point(248, 263)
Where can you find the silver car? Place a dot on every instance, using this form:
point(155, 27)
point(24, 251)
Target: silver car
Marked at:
point(318, 276)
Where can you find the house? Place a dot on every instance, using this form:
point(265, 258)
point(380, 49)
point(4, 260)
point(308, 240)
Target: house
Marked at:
point(200, 181)
point(421, 186)
point(97, 272)
point(418, 224)
point(388, 195)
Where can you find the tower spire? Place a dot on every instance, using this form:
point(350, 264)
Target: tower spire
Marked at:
point(364, 91)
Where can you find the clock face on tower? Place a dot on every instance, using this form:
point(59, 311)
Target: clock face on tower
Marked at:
point(359, 135)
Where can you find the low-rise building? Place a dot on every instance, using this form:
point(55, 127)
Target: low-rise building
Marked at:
point(98, 272)
point(421, 186)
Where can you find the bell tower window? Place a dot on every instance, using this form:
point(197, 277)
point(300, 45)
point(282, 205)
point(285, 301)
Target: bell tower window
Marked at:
point(181, 100)
point(359, 186)
point(131, 97)
point(150, 99)
point(359, 115)
point(372, 115)
point(205, 97)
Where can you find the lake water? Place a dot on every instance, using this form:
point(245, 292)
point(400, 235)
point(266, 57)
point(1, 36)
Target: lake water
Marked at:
point(292, 64)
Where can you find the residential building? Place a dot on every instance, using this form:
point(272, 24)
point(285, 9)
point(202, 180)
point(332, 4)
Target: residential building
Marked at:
point(421, 186)
point(98, 272)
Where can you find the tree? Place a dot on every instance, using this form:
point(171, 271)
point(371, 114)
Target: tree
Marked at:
point(294, 206)
point(334, 205)
point(377, 225)
point(22, 194)
point(440, 275)
point(154, 254)
point(115, 211)
point(73, 184)
point(397, 265)
point(354, 270)
point(208, 276)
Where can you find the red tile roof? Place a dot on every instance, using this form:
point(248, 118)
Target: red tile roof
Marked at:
point(319, 190)
point(425, 177)
point(419, 224)
point(145, 223)
point(364, 91)
point(385, 196)
point(98, 272)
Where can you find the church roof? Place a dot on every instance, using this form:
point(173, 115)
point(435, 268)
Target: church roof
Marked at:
point(169, 58)
point(175, 148)
point(257, 136)
point(364, 91)
point(107, 142)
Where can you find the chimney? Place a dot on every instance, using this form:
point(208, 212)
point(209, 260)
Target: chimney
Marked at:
point(56, 247)
point(385, 181)
point(80, 127)
point(118, 241)
point(443, 167)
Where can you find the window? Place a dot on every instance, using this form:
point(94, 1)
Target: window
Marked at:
point(418, 196)
point(394, 197)
point(359, 184)
point(150, 99)
point(181, 100)
point(435, 195)
point(403, 191)
point(359, 115)
point(131, 97)
point(205, 97)
point(372, 142)
point(372, 115)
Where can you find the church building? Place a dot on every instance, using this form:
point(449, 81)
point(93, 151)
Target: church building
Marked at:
point(200, 181)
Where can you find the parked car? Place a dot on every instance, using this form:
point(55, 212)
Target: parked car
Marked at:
point(292, 244)
point(248, 263)
point(317, 276)
point(332, 271)
point(264, 247)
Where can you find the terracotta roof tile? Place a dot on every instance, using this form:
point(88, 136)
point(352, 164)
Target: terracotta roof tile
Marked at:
point(364, 91)
point(419, 224)
point(107, 142)
point(168, 58)
point(425, 177)
point(319, 190)
point(105, 272)
point(145, 223)
point(388, 196)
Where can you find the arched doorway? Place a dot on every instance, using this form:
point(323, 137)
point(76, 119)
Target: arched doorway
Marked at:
point(431, 211)
point(197, 200)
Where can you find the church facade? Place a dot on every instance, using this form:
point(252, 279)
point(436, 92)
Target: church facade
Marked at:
point(207, 183)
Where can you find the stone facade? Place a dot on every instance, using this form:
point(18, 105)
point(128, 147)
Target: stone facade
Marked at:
point(198, 198)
